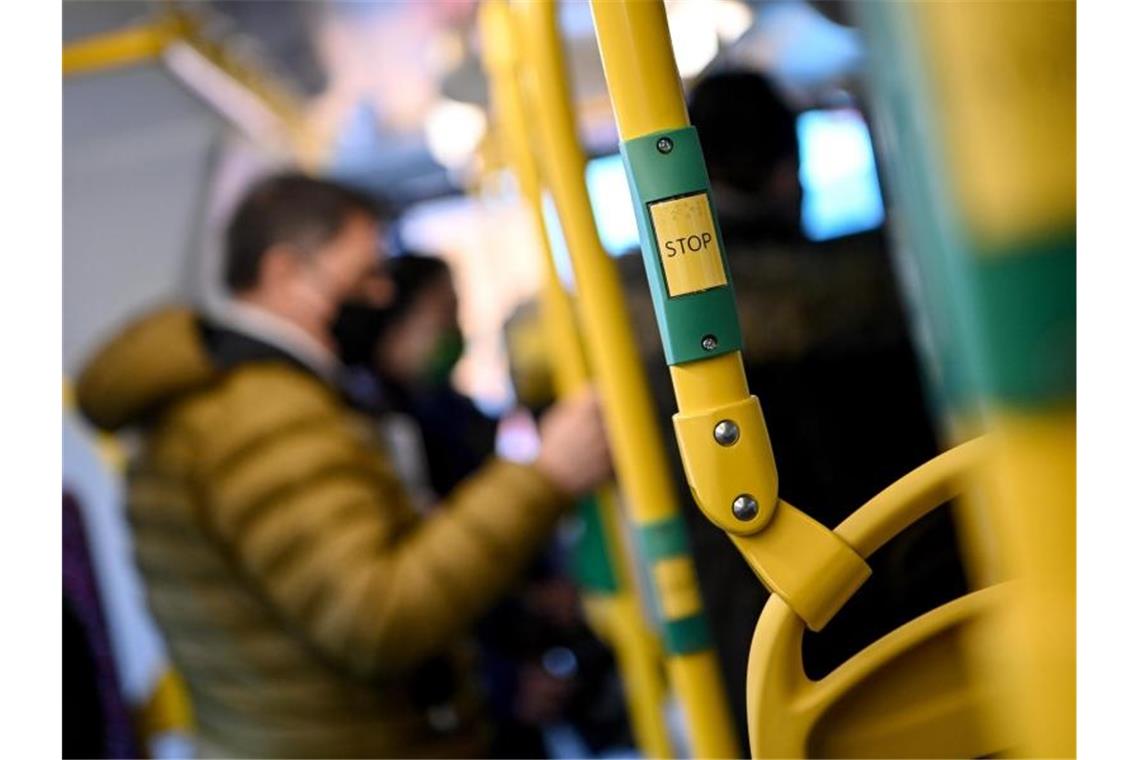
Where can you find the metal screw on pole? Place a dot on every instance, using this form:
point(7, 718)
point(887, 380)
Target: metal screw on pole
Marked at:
point(726, 432)
point(744, 507)
point(664, 145)
point(708, 342)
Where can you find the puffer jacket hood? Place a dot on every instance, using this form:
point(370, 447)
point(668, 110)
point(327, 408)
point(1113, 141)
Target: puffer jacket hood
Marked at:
point(154, 360)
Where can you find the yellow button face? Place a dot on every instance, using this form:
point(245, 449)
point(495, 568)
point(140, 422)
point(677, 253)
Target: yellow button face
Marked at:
point(687, 244)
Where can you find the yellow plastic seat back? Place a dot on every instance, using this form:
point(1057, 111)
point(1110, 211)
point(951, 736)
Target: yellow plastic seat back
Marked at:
point(913, 692)
point(909, 694)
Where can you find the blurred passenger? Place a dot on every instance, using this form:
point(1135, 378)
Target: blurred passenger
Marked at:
point(402, 356)
point(748, 136)
point(310, 609)
point(827, 352)
point(541, 664)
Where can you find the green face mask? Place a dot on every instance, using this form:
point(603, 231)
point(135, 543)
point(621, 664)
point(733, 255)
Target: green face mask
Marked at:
point(443, 358)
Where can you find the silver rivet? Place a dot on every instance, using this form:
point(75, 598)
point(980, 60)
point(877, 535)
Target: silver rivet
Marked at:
point(726, 432)
point(708, 342)
point(664, 145)
point(744, 507)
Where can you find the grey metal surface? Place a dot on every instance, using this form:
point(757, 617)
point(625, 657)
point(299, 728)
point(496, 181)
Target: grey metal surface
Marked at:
point(136, 150)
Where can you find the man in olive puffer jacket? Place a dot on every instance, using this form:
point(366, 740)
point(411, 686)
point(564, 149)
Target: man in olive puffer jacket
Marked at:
point(309, 609)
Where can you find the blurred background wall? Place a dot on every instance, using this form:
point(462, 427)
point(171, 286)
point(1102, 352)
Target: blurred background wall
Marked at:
point(137, 155)
point(394, 96)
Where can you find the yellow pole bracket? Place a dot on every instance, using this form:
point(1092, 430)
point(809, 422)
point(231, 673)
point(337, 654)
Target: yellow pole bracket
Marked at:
point(729, 464)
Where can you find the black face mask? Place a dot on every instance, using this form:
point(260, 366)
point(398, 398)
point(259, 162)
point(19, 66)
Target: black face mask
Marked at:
point(356, 329)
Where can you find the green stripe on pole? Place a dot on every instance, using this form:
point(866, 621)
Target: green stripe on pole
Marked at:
point(684, 320)
point(593, 567)
point(663, 539)
point(1003, 316)
point(687, 635)
point(1025, 299)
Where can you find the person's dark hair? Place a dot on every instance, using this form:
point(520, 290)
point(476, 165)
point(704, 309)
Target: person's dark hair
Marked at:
point(358, 333)
point(746, 128)
point(288, 208)
point(412, 273)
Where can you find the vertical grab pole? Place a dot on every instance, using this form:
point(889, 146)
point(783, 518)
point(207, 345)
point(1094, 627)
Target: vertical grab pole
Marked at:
point(609, 592)
point(719, 425)
point(985, 166)
point(634, 436)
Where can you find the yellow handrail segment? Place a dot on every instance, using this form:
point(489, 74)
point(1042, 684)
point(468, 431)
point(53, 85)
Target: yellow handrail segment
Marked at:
point(639, 455)
point(617, 617)
point(178, 32)
point(647, 95)
point(122, 47)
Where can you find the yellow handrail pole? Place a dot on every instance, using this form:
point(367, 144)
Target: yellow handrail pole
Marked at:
point(619, 615)
point(568, 358)
point(641, 71)
point(1022, 208)
point(638, 453)
point(987, 182)
point(720, 428)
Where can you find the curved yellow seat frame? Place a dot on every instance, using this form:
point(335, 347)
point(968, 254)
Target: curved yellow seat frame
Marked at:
point(909, 694)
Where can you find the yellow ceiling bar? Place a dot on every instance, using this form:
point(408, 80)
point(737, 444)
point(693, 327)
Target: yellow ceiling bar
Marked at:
point(142, 43)
point(176, 31)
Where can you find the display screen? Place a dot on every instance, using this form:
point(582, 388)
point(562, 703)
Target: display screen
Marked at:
point(837, 173)
point(841, 194)
point(612, 204)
